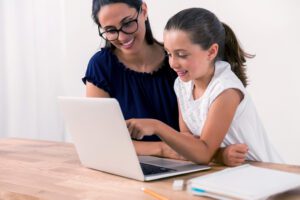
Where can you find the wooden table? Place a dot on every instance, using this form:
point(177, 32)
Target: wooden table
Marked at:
point(33, 169)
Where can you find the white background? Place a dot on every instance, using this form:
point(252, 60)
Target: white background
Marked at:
point(45, 47)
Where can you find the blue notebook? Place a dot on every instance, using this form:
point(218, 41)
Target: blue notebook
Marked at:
point(244, 182)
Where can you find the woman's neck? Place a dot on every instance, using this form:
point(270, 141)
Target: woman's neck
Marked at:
point(147, 60)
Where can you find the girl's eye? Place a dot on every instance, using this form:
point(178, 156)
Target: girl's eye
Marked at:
point(182, 55)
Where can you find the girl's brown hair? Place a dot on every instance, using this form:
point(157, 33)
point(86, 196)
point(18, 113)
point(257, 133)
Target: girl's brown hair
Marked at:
point(205, 29)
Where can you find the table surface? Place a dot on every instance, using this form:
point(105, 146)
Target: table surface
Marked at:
point(35, 169)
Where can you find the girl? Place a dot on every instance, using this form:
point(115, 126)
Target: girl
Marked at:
point(215, 108)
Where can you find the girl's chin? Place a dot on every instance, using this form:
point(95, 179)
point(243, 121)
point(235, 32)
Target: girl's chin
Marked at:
point(184, 79)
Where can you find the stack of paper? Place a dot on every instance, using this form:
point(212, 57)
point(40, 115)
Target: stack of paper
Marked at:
point(244, 182)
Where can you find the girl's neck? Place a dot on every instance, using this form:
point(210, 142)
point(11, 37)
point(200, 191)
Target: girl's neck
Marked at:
point(147, 60)
point(202, 83)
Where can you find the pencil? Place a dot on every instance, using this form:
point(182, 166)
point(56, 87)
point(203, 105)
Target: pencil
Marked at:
point(154, 194)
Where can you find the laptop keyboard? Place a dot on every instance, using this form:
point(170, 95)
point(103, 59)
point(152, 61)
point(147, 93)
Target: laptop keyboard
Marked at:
point(152, 169)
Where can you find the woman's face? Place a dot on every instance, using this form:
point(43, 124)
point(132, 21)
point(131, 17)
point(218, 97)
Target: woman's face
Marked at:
point(118, 18)
point(189, 60)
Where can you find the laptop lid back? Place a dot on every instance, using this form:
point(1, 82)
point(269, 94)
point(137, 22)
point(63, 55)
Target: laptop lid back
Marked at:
point(100, 135)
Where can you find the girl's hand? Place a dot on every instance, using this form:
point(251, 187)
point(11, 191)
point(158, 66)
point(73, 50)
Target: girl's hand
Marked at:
point(235, 154)
point(138, 128)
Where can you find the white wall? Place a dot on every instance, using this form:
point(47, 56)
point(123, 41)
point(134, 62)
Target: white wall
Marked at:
point(82, 41)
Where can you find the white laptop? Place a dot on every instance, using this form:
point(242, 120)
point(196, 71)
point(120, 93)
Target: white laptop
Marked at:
point(102, 141)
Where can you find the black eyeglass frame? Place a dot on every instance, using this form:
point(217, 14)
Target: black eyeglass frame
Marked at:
point(101, 34)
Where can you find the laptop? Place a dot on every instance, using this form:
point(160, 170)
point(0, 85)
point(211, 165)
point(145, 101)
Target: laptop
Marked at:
point(102, 141)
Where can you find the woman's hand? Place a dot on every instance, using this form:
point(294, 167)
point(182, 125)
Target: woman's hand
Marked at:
point(168, 152)
point(159, 149)
point(138, 128)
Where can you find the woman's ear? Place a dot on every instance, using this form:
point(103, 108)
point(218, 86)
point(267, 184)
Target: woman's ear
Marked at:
point(144, 10)
point(213, 51)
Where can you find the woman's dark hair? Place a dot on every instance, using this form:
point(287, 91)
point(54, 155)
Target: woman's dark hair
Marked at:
point(98, 4)
point(205, 29)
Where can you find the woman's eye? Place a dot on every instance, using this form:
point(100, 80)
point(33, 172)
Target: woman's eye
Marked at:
point(111, 31)
point(127, 24)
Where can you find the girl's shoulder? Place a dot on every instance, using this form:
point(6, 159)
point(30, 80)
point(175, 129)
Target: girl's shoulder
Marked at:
point(225, 77)
point(222, 80)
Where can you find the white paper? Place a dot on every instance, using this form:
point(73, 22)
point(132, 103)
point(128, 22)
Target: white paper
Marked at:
point(245, 182)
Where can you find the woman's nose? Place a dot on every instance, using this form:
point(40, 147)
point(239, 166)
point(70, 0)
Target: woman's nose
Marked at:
point(123, 37)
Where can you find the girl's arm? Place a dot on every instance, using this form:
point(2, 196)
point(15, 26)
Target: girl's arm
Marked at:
point(199, 150)
point(232, 155)
point(161, 149)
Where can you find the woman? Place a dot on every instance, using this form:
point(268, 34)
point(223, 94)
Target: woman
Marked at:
point(133, 68)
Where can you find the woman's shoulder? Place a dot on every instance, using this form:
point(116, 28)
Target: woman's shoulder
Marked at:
point(103, 55)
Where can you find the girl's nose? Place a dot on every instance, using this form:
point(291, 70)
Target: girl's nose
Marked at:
point(173, 62)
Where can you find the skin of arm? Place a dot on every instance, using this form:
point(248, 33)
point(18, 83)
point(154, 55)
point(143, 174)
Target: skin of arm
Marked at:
point(221, 111)
point(94, 91)
point(232, 155)
point(161, 149)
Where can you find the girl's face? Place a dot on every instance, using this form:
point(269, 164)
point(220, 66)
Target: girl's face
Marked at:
point(189, 60)
point(119, 16)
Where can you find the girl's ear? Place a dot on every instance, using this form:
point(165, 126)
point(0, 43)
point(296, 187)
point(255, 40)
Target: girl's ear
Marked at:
point(213, 51)
point(144, 10)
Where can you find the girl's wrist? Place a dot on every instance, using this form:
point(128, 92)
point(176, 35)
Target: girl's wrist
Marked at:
point(158, 126)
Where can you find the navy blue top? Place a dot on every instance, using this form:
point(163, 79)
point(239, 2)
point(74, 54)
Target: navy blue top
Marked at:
point(140, 95)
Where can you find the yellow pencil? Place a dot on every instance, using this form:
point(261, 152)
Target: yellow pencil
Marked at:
point(154, 194)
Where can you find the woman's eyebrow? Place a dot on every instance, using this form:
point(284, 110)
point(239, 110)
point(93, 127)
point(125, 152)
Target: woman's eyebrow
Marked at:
point(126, 18)
point(122, 21)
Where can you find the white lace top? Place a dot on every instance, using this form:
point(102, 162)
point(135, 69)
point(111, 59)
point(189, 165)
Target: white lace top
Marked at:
point(246, 126)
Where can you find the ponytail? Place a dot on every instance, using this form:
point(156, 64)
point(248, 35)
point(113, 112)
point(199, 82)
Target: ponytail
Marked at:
point(235, 55)
point(205, 29)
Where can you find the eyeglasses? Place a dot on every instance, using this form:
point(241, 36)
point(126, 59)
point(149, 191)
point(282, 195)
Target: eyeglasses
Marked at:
point(129, 27)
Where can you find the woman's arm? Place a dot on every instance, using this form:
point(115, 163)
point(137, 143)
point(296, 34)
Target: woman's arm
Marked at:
point(94, 91)
point(199, 150)
point(159, 149)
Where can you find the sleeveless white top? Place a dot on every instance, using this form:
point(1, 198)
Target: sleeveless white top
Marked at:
point(246, 126)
